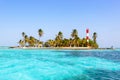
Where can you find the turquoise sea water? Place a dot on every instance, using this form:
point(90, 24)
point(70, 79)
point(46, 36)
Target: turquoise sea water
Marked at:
point(18, 64)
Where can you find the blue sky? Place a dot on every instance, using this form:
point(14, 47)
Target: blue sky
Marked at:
point(101, 16)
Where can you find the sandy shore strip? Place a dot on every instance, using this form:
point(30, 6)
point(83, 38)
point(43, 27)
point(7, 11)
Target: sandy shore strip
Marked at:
point(58, 48)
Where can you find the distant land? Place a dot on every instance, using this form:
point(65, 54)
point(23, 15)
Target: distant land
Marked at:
point(74, 42)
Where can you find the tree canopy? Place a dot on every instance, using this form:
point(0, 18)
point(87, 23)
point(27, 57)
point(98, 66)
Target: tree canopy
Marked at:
point(59, 41)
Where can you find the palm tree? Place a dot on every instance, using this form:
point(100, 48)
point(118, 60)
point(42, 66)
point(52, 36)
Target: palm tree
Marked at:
point(21, 43)
point(26, 39)
point(23, 35)
point(77, 41)
point(40, 32)
point(58, 39)
point(70, 42)
point(95, 45)
point(65, 42)
point(60, 35)
point(94, 37)
point(84, 42)
point(91, 43)
point(32, 41)
point(74, 33)
point(50, 43)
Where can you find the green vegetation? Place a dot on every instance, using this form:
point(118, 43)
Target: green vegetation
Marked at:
point(40, 32)
point(59, 41)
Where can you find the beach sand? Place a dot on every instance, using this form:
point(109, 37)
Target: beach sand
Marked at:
point(63, 48)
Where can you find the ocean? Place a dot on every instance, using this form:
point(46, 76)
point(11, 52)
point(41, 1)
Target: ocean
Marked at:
point(26, 64)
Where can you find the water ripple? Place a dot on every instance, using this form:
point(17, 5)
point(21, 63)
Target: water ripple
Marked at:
point(59, 65)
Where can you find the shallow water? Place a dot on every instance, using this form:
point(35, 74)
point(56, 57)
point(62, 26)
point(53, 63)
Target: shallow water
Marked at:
point(18, 64)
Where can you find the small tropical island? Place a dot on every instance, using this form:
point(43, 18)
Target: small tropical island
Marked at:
point(74, 42)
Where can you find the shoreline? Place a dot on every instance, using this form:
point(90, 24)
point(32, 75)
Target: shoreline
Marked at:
point(57, 48)
point(62, 48)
